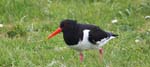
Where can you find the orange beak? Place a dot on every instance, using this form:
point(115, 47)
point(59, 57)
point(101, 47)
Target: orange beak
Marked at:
point(58, 30)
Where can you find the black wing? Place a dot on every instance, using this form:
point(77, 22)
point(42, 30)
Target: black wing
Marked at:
point(96, 34)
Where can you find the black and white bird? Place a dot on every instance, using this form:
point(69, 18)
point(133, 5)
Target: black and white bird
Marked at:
point(83, 36)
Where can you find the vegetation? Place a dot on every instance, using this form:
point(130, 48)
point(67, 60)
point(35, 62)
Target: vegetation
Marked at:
point(27, 23)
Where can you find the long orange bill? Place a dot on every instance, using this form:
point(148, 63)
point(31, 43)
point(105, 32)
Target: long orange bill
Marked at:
point(58, 30)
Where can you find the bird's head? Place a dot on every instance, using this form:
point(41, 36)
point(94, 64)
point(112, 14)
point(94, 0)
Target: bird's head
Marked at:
point(65, 26)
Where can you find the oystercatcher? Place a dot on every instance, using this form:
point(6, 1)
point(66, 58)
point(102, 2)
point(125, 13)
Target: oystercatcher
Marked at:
point(83, 36)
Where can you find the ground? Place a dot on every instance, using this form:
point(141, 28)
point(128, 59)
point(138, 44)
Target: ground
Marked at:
point(27, 23)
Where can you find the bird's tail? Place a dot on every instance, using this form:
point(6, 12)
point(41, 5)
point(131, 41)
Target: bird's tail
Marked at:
point(115, 35)
point(111, 34)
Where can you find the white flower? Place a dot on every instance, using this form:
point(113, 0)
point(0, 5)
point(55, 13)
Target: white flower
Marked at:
point(114, 21)
point(1, 25)
point(137, 40)
point(147, 17)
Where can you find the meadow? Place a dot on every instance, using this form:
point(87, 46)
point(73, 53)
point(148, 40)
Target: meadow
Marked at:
point(27, 23)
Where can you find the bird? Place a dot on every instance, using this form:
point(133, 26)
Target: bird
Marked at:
point(82, 37)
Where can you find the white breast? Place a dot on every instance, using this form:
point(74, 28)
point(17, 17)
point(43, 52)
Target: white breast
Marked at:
point(84, 44)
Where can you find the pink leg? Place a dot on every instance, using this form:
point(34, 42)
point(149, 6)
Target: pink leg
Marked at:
point(81, 57)
point(101, 54)
point(101, 51)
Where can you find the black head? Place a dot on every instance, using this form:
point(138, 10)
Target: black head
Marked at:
point(68, 25)
point(65, 27)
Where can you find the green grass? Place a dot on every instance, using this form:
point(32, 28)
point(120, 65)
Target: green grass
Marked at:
point(27, 24)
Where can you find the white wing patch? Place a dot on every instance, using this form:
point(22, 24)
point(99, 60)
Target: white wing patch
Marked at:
point(104, 41)
point(84, 44)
